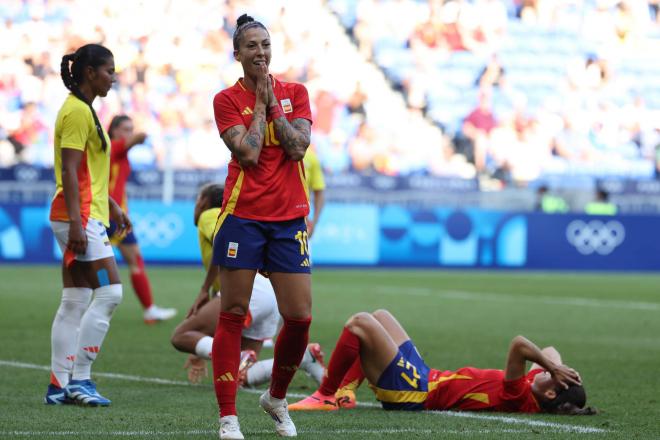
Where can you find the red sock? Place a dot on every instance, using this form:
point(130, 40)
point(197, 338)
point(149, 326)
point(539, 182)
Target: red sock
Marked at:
point(346, 352)
point(141, 285)
point(225, 357)
point(289, 351)
point(353, 377)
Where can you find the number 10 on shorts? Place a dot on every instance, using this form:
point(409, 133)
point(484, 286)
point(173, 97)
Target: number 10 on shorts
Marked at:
point(301, 236)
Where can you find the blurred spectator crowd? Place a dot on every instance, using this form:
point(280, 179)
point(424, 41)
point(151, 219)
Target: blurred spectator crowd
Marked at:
point(525, 88)
point(510, 91)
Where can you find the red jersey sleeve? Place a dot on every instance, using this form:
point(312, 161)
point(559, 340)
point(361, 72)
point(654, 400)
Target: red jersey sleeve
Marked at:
point(301, 107)
point(517, 393)
point(226, 113)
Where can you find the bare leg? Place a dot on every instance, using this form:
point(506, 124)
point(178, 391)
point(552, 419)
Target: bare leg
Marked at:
point(392, 326)
point(377, 347)
point(130, 254)
point(191, 330)
point(294, 294)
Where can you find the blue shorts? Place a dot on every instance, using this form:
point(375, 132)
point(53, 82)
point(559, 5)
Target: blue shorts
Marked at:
point(404, 383)
point(266, 246)
point(129, 238)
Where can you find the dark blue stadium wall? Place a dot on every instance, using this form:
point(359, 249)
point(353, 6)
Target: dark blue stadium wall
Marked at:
point(386, 236)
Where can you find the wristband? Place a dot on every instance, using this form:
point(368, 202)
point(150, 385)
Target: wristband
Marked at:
point(275, 111)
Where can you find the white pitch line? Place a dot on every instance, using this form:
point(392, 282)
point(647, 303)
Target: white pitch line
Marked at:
point(503, 297)
point(199, 432)
point(503, 419)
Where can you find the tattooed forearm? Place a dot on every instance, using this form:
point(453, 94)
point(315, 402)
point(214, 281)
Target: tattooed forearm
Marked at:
point(294, 137)
point(229, 137)
point(255, 135)
point(246, 145)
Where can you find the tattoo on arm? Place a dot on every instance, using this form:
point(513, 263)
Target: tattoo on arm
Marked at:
point(246, 145)
point(294, 137)
point(229, 137)
point(255, 135)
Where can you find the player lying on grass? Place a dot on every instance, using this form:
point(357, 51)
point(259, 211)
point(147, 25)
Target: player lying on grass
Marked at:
point(376, 346)
point(195, 334)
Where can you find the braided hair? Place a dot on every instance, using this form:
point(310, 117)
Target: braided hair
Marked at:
point(244, 23)
point(92, 55)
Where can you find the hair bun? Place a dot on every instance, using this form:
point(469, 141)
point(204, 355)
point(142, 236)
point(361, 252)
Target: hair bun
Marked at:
point(243, 19)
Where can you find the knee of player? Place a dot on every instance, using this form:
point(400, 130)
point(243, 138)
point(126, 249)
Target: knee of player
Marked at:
point(111, 293)
point(176, 338)
point(359, 320)
point(236, 309)
point(381, 314)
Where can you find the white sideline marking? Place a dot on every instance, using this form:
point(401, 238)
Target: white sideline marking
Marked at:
point(503, 419)
point(503, 297)
point(260, 432)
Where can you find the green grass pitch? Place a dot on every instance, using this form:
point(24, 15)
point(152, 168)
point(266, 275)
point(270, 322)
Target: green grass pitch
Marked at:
point(606, 326)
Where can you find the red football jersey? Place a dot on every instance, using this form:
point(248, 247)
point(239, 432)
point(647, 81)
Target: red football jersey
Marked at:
point(120, 169)
point(473, 389)
point(275, 189)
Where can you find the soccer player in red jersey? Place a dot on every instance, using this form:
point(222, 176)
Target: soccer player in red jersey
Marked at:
point(123, 138)
point(266, 124)
point(377, 347)
point(80, 212)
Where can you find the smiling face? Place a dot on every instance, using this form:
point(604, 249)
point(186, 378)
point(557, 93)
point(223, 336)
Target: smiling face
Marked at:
point(253, 50)
point(101, 78)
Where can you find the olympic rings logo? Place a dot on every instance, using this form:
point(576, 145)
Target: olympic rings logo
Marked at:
point(159, 231)
point(595, 236)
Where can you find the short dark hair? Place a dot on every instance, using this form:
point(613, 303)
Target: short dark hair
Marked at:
point(213, 192)
point(116, 122)
point(244, 23)
point(89, 55)
point(571, 401)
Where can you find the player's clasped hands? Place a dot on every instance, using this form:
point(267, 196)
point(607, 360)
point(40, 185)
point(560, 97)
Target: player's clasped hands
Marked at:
point(263, 81)
point(565, 376)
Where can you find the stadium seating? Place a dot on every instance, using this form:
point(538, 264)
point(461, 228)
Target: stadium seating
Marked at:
point(550, 71)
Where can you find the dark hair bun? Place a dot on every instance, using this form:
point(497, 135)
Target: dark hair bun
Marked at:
point(243, 19)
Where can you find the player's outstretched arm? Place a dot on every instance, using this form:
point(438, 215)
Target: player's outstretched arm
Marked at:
point(136, 139)
point(522, 350)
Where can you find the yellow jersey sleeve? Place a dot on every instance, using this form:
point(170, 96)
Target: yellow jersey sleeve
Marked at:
point(313, 171)
point(77, 126)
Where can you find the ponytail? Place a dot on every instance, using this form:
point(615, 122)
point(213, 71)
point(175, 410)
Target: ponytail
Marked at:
point(92, 55)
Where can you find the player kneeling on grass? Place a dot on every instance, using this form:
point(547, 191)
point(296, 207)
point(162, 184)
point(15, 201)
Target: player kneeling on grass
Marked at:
point(376, 346)
point(195, 334)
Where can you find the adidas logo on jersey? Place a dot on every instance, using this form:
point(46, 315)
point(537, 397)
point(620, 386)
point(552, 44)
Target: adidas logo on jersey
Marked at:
point(305, 263)
point(227, 377)
point(247, 111)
